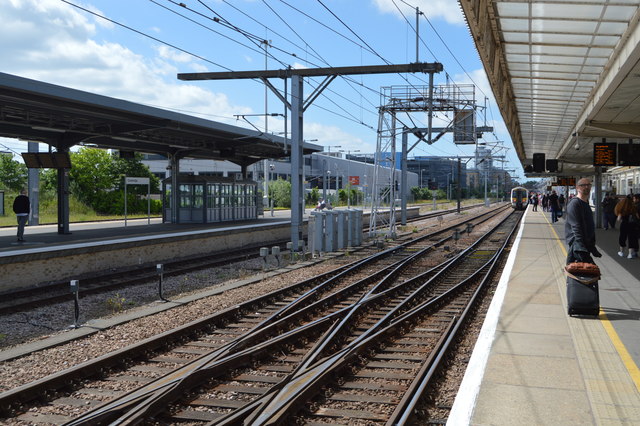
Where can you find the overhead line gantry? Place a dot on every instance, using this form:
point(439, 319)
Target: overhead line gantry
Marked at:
point(298, 104)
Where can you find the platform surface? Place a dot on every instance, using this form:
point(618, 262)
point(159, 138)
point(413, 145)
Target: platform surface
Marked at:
point(535, 365)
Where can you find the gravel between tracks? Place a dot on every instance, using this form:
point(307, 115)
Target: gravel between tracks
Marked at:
point(24, 327)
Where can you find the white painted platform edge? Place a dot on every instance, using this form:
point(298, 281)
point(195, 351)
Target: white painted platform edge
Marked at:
point(465, 401)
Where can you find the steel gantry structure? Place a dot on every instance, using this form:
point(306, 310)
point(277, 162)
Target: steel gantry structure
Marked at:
point(298, 104)
point(456, 99)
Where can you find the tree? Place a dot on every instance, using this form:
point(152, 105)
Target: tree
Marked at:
point(280, 192)
point(97, 179)
point(313, 196)
point(13, 174)
point(92, 174)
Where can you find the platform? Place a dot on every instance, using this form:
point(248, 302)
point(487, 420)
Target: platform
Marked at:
point(535, 365)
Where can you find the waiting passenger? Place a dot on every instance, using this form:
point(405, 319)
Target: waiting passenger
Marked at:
point(21, 208)
point(627, 214)
point(608, 215)
point(579, 229)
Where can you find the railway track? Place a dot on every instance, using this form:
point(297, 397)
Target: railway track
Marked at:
point(26, 299)
point(258, 350)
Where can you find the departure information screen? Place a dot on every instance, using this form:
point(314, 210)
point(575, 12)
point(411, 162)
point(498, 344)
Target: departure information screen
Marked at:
point(604, 154)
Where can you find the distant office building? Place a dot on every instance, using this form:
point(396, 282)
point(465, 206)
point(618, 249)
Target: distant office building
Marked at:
point(320, 169)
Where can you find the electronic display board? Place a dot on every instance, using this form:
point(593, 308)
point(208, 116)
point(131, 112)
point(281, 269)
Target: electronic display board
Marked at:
point(566, 181)
point(604, 154)
point(628, 155)
point(47, 160)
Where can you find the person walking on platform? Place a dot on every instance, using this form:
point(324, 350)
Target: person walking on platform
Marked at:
point(21, 208)
point(561, 203)
point(534, 201)
point(627, 213)
point(554, 206)
point(580, 229)
point(608, 206)
point(545, 202)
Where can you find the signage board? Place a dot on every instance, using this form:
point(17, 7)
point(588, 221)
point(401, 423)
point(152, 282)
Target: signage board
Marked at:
point(354, 180)
point(628, 155)
point(565, 181)
point(605, 154)
point(47, 160)
point(136, 181)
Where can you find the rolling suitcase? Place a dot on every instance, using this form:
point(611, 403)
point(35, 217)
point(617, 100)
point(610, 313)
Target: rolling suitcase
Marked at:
point(583, 297)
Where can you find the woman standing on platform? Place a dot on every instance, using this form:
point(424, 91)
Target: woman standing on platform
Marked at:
point(627, 214)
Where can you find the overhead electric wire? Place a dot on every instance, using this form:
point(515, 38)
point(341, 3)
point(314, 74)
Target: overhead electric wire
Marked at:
point(251, 36)
point(146, 35)
point(204, 26)
point(448, 49)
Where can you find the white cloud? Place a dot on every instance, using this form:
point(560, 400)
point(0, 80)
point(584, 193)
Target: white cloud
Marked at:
point(50, 41)
point(174, 55)
point(333, 135)
point(449, 10)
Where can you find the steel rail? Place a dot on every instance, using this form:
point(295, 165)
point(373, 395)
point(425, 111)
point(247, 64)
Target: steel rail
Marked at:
point(159, 397)
point(28, 298)
point(404, 412)
point(306, 381)
point(103, 363)
point(156, 393)
point(252, 407)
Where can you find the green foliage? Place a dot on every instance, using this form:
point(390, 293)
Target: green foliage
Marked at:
point(313, 197)
point(353, 194)
point(117, 303)
point(13, 174)
point(97, 179)
point(342, 196)
point(421, 193)
point(280, 193)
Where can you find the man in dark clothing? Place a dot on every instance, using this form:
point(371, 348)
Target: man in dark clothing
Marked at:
point(580, 229)
point(554, 206)
point(21, 208)
point(608, 206)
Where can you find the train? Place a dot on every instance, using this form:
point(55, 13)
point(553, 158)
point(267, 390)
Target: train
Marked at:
point(519, 198)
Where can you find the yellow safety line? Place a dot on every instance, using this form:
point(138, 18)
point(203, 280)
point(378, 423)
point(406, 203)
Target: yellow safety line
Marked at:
point(627, 360)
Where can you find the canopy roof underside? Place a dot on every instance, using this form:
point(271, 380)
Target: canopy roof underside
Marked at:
point(564, 73)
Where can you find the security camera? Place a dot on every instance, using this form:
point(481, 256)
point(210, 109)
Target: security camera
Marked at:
point(577, 147)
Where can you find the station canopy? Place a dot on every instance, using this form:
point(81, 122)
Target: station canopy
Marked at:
point(565, 73)
point(62, 117)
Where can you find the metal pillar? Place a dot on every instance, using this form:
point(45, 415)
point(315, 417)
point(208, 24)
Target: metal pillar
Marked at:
point(597, 184)
point(175, 172)
point(458, 188)
point(297, 161)
point(403, 179)
point(63, 201)
point(34, 190)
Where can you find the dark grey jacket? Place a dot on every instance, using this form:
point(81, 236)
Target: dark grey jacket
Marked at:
point(579, 229)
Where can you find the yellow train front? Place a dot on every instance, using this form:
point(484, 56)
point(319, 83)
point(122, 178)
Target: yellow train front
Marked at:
point(519, 198)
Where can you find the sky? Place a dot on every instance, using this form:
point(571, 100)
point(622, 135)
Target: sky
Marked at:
point(133, 50)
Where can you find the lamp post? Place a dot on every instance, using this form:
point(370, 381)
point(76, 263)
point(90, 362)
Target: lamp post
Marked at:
point(271, 168)
point(332, 146)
